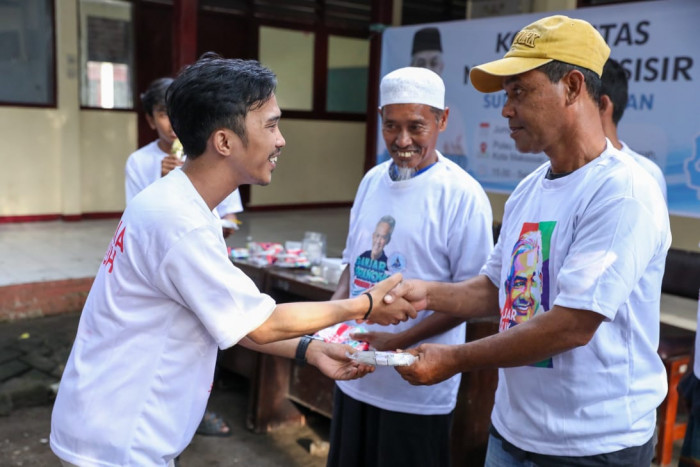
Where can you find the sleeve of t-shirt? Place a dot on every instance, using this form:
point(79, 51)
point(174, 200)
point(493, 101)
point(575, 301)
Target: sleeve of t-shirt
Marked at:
point(197, 273)
point(492, 267)
point(231, 204)
point(613, 244)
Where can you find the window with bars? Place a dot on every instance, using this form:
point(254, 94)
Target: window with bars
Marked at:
point(106, 54)
point(319, 50)
point(27, 53)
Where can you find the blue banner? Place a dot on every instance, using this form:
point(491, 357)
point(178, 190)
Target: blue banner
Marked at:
point(657, 44)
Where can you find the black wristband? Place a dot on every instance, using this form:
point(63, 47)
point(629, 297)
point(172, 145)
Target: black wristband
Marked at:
point(300, 357)
point(371, 302)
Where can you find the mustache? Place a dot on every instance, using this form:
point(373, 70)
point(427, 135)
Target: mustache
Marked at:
point(275, 154)
point(410, 148)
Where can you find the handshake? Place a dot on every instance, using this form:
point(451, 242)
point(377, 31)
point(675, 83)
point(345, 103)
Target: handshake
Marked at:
point(394, 300)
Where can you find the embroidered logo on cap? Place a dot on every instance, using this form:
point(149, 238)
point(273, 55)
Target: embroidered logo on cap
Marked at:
point(526, 38)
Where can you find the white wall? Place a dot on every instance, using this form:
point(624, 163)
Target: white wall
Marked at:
point(322, 162)
point(64, 160)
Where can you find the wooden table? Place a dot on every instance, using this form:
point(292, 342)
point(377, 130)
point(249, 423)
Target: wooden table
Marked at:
point(278, 387)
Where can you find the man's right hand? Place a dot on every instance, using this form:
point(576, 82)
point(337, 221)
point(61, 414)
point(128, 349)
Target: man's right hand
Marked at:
point(168, 163)
point(436, 363)
point(392, 312)
point(412, 290)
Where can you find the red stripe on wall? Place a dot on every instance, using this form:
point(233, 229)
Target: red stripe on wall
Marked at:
point(56, 217)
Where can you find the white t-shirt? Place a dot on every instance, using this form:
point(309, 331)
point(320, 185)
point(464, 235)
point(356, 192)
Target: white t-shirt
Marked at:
point(602, 236)
point(443, 233)
point(649, 165)
point(165, 297)
point(143, 168)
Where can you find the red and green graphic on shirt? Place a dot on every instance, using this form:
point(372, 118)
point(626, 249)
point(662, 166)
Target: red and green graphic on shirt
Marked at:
point(527, 283)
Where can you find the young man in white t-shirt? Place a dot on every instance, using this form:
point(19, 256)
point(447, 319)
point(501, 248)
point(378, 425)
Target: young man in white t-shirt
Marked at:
point(580, 378)
point(167, 296)
point(157, 158)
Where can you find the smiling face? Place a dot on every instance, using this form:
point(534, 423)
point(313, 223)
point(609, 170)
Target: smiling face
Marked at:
point(256, 158)
point(525, 291)
point(410, 133)
point(534, 109)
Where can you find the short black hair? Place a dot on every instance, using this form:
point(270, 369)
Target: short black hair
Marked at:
point(556, 70)
point(615, 87)
point(215, 93)
point(154, 95)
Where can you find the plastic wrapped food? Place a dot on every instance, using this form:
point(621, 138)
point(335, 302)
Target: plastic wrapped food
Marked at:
point(177, 150)
point(378, 358)
point(340, 334)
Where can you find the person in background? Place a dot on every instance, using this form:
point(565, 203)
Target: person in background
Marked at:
point(580, 381)
point(689, 388)
point(157, 159)
point(167, 296)
point(613, 102)
point(434, 223)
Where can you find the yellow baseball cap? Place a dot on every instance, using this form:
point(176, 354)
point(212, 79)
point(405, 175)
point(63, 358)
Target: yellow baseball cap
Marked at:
point(558, 37)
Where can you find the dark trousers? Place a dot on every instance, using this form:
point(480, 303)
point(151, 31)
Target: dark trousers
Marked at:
point(636, 456)
point(366, 436)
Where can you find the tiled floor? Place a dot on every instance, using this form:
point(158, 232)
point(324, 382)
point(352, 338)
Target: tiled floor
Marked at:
point(49, 251)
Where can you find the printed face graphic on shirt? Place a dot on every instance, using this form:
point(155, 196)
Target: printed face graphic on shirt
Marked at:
point(527, 283)
point(524, 285)
point(380, 237)
point(373, 266)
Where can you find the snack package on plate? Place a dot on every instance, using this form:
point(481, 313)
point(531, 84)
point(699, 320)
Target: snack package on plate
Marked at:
point(340, 334)
point(375, 357)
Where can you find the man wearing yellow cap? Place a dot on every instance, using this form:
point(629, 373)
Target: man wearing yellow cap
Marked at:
point(580, 378)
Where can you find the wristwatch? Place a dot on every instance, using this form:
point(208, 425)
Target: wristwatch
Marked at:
point(300, 357)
